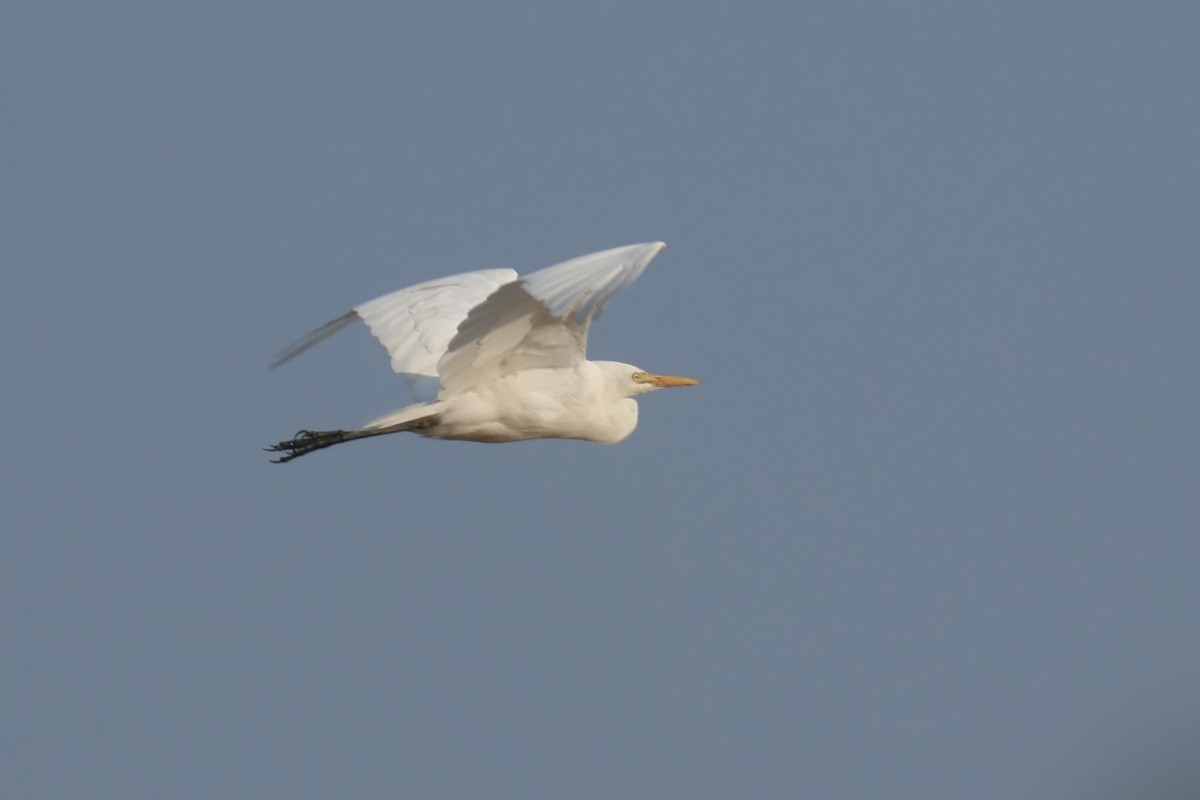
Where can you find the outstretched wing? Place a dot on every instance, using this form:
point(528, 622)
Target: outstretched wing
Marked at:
point(415, 324)
point(540, 320)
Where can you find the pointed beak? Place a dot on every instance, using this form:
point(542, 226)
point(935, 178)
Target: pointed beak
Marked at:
point(665, 381)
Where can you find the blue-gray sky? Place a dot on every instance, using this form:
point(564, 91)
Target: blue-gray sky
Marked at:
point(930, 528)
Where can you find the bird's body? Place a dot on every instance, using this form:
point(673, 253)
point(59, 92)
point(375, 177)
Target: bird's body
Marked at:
point(497, 358)
point(563, 403)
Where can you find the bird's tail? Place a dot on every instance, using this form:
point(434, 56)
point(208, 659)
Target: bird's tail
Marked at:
point(413, 418)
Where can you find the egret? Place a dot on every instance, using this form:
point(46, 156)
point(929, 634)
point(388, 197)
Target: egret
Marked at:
point(493, 357)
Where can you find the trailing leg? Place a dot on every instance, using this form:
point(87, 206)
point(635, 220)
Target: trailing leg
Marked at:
point(309, 441)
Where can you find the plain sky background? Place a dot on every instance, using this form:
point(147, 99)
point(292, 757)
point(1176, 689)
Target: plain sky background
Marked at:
point(929, 529)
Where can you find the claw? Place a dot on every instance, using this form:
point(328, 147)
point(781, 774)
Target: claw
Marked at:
point(305, 441)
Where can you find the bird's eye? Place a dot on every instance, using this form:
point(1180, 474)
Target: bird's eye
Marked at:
point(639, 377)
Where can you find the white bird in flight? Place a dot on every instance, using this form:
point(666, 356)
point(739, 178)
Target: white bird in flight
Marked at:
point(493, 357)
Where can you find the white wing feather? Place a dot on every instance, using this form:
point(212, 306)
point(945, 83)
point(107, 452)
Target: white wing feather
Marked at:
point(541, 320)
point(415, 324)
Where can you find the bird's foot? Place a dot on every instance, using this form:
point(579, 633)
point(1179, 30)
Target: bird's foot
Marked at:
point(305, 442)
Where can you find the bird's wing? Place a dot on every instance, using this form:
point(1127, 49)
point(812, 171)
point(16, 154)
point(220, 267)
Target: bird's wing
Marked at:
point(540, 320)
point(415, 324)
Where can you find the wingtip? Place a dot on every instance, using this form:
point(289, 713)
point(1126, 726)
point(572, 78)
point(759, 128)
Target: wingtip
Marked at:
point(652, 249)
point(313, 337)
point(640, 254)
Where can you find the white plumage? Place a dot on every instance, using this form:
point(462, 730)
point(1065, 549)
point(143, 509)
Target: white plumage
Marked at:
point(493, 357)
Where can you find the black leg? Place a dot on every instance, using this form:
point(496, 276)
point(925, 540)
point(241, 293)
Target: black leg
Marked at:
point(309, 441)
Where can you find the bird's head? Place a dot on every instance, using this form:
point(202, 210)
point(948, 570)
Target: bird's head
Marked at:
point(632, 381)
